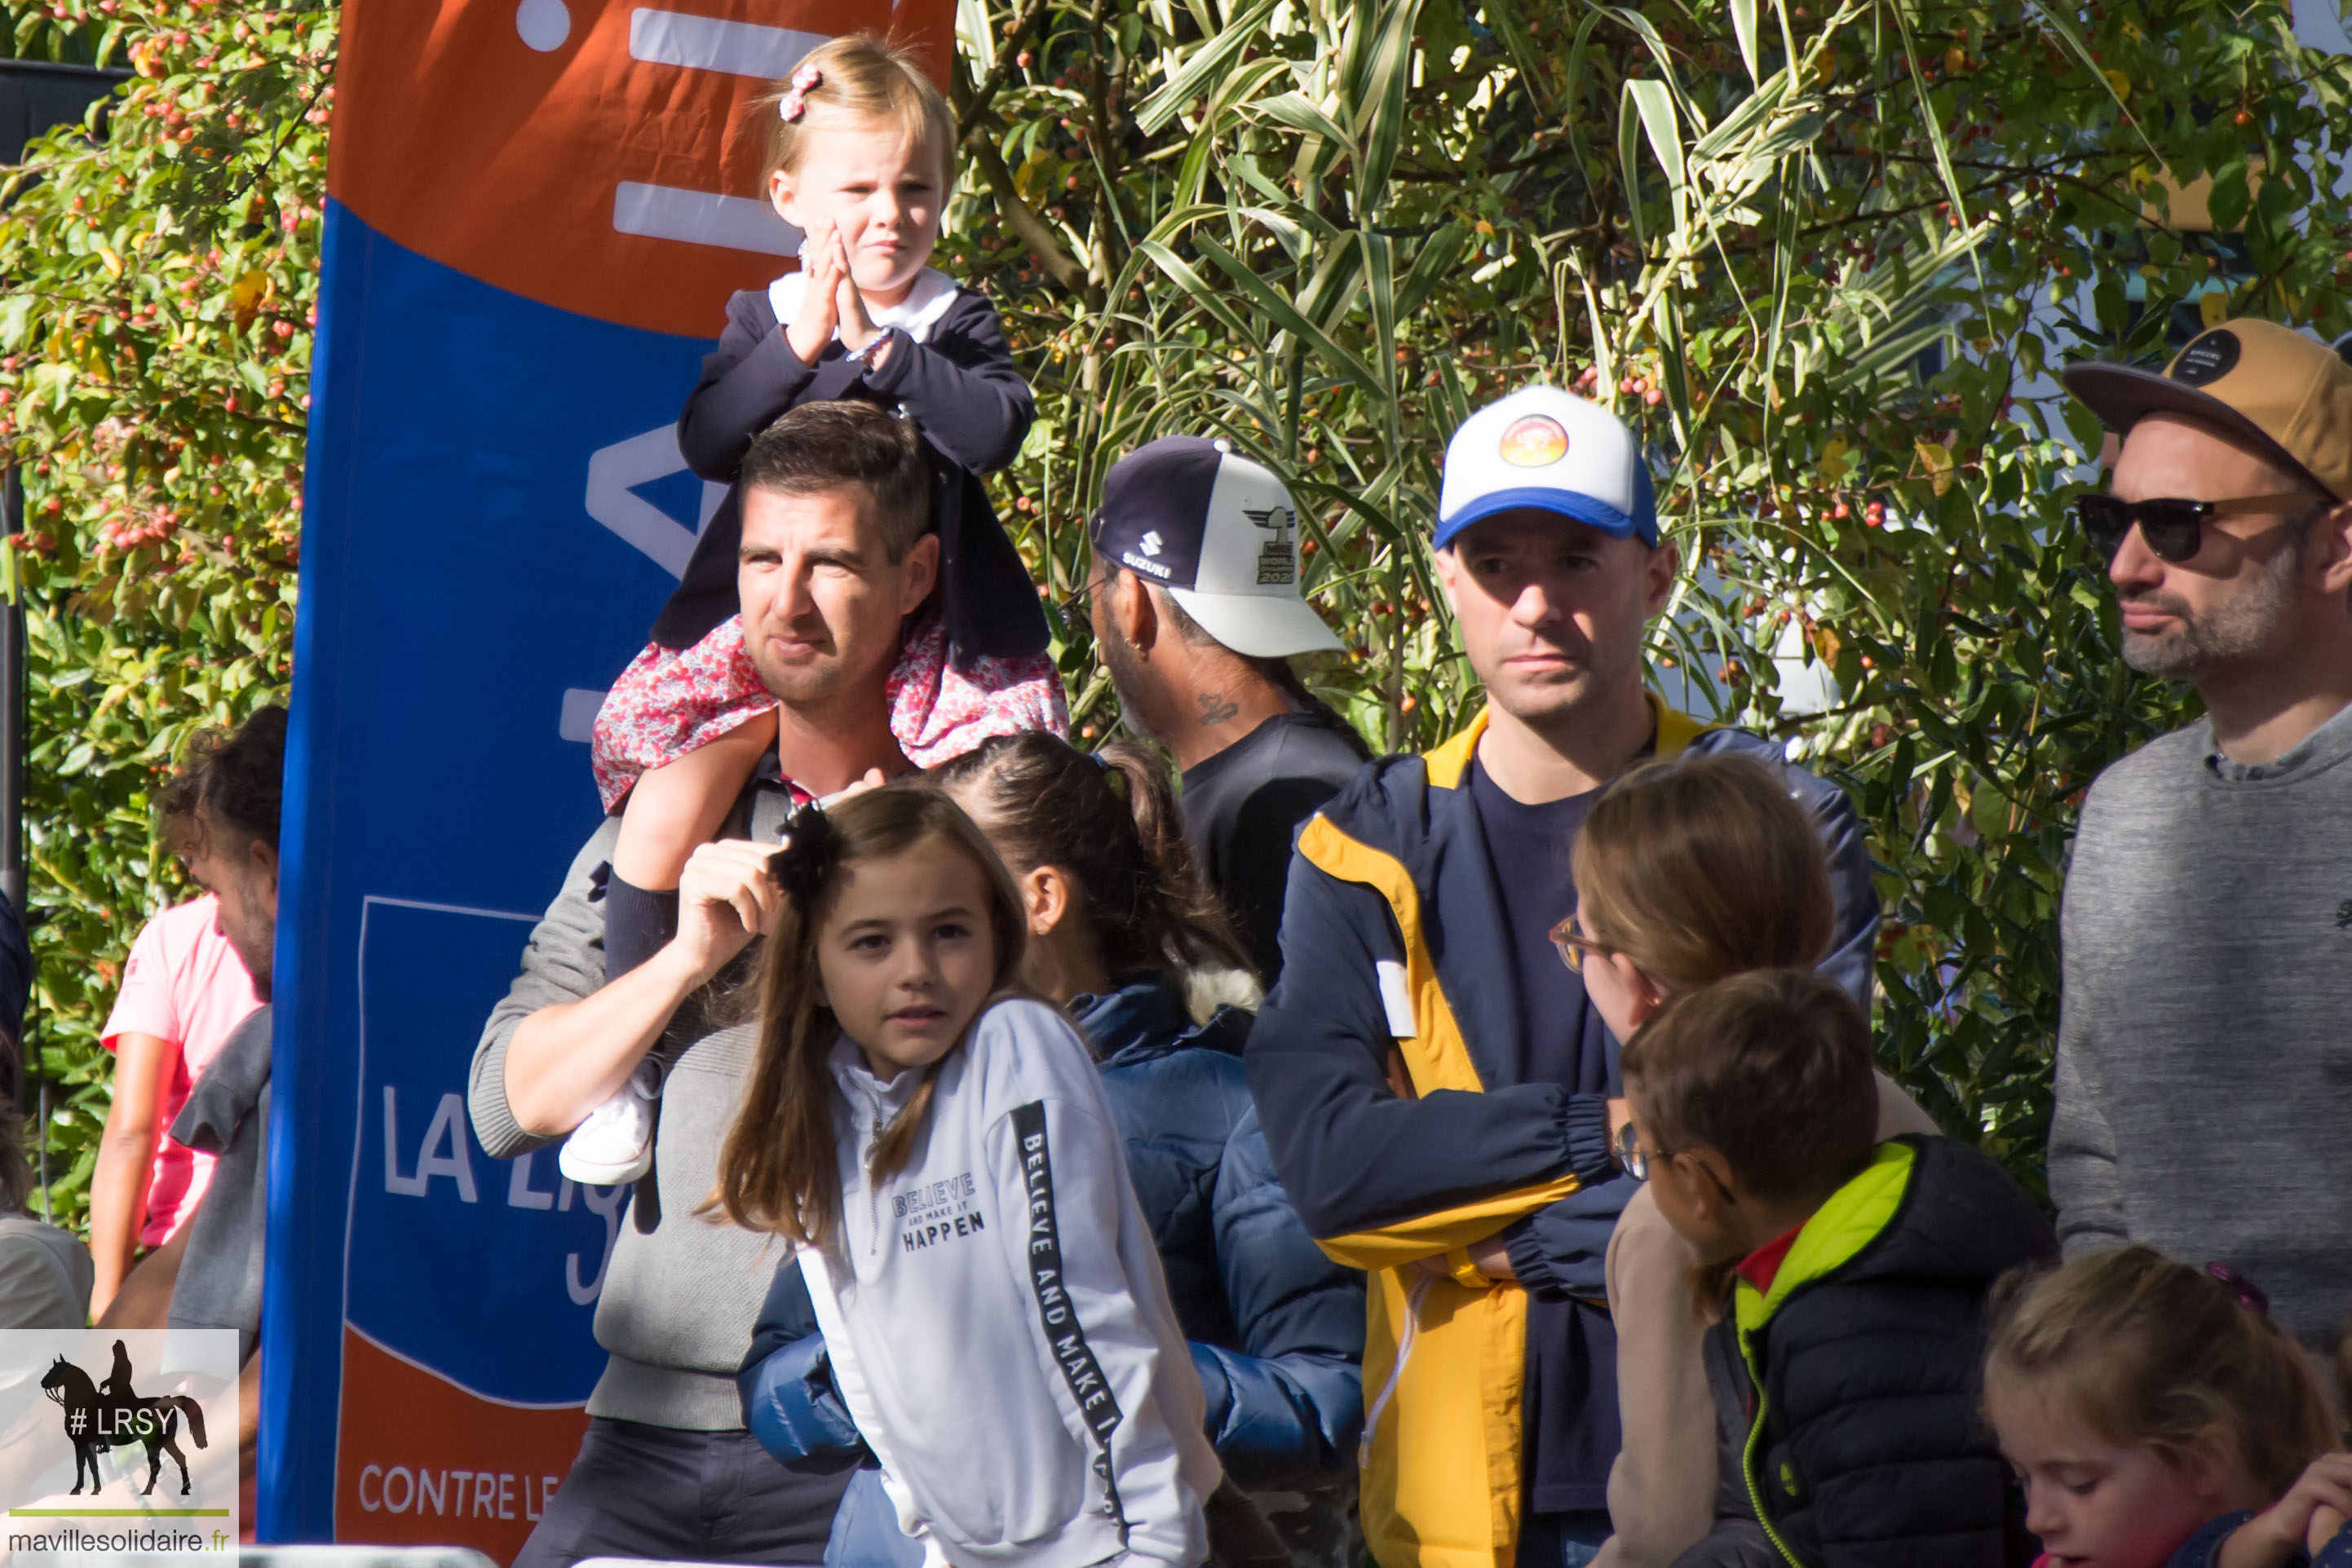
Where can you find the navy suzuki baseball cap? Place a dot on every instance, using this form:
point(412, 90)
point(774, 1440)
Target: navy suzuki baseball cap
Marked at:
point(1221, 534)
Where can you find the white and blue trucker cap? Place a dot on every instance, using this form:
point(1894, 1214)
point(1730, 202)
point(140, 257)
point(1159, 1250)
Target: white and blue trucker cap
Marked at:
point(1546, 450)
point(1220, 533)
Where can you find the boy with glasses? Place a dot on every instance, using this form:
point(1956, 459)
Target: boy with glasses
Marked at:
point(2202, 1082)
point(1845, 1367)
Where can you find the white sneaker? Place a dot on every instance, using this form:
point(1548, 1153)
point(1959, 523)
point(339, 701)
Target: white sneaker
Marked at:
point(615, 1143)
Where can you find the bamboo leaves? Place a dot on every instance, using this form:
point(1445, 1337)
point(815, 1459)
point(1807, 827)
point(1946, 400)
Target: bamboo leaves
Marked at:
point(1380, 101)
point(1743, 27)
point(1223, 46)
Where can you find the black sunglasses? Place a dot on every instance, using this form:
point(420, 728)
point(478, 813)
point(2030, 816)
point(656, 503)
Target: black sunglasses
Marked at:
point(1075, 608)
point(2174, 529)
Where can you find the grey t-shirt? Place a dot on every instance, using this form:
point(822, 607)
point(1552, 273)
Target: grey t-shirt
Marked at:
point(227, 1115)
point(2233, 772)
point(44, 1275)
point(2204, 1071)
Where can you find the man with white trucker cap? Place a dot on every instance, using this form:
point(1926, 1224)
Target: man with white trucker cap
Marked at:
point(2203, 1083)
point(1434, 1085)
point(1197, 614)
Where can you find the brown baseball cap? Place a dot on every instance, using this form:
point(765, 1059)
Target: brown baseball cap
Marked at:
point(2286, 393)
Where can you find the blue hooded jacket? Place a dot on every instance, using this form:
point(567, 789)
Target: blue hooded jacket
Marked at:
point(1276, 1328)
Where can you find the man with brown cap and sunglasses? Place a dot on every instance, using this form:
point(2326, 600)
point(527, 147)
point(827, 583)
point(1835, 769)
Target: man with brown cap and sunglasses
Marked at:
point(2204, 1077)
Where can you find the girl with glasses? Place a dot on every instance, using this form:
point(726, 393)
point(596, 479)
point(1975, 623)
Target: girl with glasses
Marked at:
point(1686, 872)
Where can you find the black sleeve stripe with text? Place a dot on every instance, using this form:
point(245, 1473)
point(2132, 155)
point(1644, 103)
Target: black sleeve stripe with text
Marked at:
point(1097, 1405)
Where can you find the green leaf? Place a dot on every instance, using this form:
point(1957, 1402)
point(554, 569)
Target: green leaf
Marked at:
point(1383, 96)
point(1223, 46)
point(1628, 144)
point(1743, 27)
point(1299, 113)
point(1436, 256)
point(2230, 198)
point(1287, 317)
point(1380, 288)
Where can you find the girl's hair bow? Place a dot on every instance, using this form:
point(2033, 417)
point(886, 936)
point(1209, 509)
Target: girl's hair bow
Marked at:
point(794, 103)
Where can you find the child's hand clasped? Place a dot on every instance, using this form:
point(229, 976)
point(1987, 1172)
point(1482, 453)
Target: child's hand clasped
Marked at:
point(858, 332)
point(831, 303)
point(827, 267)
point(2303, 1520)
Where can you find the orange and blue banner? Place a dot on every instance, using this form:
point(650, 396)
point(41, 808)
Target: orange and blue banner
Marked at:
point(537, 210)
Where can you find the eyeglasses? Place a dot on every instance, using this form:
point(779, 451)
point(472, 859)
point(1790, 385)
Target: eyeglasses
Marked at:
point(1573, 945)
point(2174, 529)
point(1636, 1161)
point(1634, 1158)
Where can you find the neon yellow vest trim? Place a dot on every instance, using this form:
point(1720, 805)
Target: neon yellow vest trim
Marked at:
point(1855, 1214)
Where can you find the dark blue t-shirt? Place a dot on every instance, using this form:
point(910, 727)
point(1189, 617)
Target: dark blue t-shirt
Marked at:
point(1562, 1041)
point(1571, 1434)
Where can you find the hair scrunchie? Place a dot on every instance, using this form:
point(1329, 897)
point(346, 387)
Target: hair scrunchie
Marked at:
point(804, 864)
point(2250, 1295)
point(1114, 776)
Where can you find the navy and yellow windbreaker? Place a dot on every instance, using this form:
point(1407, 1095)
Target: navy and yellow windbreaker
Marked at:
point(1391, 929)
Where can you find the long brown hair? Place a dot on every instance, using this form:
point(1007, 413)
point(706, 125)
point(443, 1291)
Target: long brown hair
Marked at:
point(779, 1170)
point(2155, 1354)
point(1109, 821)
point(1703, 867)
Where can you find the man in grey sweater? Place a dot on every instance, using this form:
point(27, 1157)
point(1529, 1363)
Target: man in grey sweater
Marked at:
point(835, 493)
point(2204, 1074)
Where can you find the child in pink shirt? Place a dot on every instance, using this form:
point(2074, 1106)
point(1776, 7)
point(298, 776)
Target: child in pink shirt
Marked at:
point(183, 993)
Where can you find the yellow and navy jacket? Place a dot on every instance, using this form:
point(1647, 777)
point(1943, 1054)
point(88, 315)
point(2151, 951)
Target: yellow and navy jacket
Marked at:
point(1848, 1410)
point(1383, 1067)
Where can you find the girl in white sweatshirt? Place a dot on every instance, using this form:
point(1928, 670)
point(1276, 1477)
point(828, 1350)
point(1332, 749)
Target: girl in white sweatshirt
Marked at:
point(940, 1149)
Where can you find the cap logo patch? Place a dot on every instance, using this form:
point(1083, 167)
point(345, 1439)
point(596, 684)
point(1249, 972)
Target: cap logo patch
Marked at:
point(2209, 359)
point(1533, 441)
point(1138, 556)
point(1277, 562)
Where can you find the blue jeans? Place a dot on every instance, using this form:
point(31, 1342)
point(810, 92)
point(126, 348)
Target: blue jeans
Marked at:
point(865, 1533)
point(1561, 1540)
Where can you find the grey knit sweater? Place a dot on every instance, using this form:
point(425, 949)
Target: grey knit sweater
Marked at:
point(2204, 1092)
point(678, 1306)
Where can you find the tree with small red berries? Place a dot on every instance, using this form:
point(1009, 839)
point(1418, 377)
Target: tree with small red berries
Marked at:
point(157, 288)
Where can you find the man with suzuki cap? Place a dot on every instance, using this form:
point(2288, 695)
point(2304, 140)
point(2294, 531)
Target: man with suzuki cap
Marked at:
point(1196, 609)
point(2204, 1087)
point(1434, 1085)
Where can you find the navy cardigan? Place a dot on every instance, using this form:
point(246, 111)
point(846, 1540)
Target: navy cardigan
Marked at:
point(964, 391)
